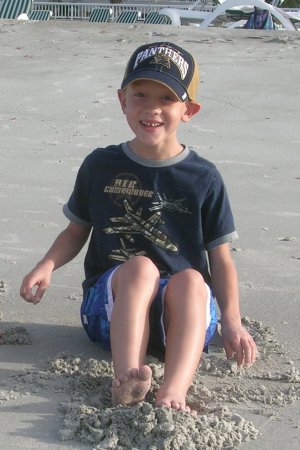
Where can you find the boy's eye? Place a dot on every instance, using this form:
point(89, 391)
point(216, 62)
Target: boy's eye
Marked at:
point(169, 99)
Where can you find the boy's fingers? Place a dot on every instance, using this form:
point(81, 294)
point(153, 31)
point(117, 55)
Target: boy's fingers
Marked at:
point(254, 351)
point(235, 351)
point(242, 348)
point(39, 293)
point(26, 291)
point(32, 298)
point(239, 355)
point(26, 295)
point(249, 352)
point(228, 350)
point(29, 296)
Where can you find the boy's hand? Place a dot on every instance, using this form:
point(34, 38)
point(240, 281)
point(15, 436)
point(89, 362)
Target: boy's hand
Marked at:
point(238, 343)
point(65, 247)
point(39, 277)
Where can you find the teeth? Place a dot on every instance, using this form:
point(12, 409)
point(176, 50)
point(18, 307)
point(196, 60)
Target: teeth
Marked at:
point(151, 124)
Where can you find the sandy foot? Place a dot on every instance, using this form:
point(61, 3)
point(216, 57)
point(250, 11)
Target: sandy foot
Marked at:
point(167, 401)
point(132, 386)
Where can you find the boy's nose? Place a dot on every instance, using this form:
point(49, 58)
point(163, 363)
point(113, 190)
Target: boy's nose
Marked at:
point(153, 104)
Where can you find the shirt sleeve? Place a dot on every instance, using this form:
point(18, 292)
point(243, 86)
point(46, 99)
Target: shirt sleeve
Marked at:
point(217, 218)
point(77, 208)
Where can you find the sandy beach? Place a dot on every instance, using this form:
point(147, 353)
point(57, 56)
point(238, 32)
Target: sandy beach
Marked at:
point(58, 83)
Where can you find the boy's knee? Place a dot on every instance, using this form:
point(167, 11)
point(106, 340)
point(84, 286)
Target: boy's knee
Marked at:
point(188, 283)
point(190, 276)
point(142, 266)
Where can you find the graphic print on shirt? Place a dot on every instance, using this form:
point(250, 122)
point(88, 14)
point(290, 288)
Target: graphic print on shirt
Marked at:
point(127, 185)
point(124, 253)
point(126, 190)
point(133, 223)
point(169, 204)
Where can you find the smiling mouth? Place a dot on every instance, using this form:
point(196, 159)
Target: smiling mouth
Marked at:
point(151, 124)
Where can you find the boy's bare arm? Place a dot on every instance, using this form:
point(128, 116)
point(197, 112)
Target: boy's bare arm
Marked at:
point(237, 341)
point(65, 247)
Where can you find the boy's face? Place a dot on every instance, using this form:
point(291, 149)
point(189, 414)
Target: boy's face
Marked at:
point(154, 113)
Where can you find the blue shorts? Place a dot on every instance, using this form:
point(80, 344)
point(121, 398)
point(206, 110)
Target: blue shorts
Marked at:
point(97, 306)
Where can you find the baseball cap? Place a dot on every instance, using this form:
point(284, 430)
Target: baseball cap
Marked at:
point(166, 63)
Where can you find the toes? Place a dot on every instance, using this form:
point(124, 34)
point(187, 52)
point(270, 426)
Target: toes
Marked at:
point(177, 406)
point(131, 373)
point(134, 373)
point(123, 378)
point(145, 373)
point(116, 383)
point(131, 386)
point(163, 403)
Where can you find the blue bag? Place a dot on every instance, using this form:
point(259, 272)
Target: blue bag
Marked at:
point(260, 19)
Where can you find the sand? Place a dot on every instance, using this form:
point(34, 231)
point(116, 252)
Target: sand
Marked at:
point(58, 102)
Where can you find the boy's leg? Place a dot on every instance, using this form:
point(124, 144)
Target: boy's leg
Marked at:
point(135, 285)
point(185, 325)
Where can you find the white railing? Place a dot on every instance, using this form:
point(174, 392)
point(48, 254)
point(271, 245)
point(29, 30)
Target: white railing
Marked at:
point(82, 11)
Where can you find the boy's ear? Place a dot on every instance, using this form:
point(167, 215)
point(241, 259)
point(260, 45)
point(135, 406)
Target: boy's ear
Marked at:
point(122, 99)
point(191, 110)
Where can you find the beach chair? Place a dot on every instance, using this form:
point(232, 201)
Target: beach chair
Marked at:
point(154, 17)
point(292, 14)
point(206, 18)
point(128, 16)
point(11, 9)
point(39, 14)
point(229, 4)
point(101, 15)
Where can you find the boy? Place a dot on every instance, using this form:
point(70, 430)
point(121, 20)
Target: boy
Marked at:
point(160, 224)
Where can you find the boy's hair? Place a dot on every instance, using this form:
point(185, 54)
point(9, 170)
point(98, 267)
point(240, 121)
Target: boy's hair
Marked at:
point(165, 63)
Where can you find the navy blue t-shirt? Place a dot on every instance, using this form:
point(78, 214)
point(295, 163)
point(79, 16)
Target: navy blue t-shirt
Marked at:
point(171, 211)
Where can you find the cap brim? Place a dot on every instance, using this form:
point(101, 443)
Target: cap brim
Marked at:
point(159, 77)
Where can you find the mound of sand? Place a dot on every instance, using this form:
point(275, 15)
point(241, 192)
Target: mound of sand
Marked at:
point(14, 335)
point(221, 392)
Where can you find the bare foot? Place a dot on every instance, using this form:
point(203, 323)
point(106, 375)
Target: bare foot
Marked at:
point(178, 404)
point(132, 386)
